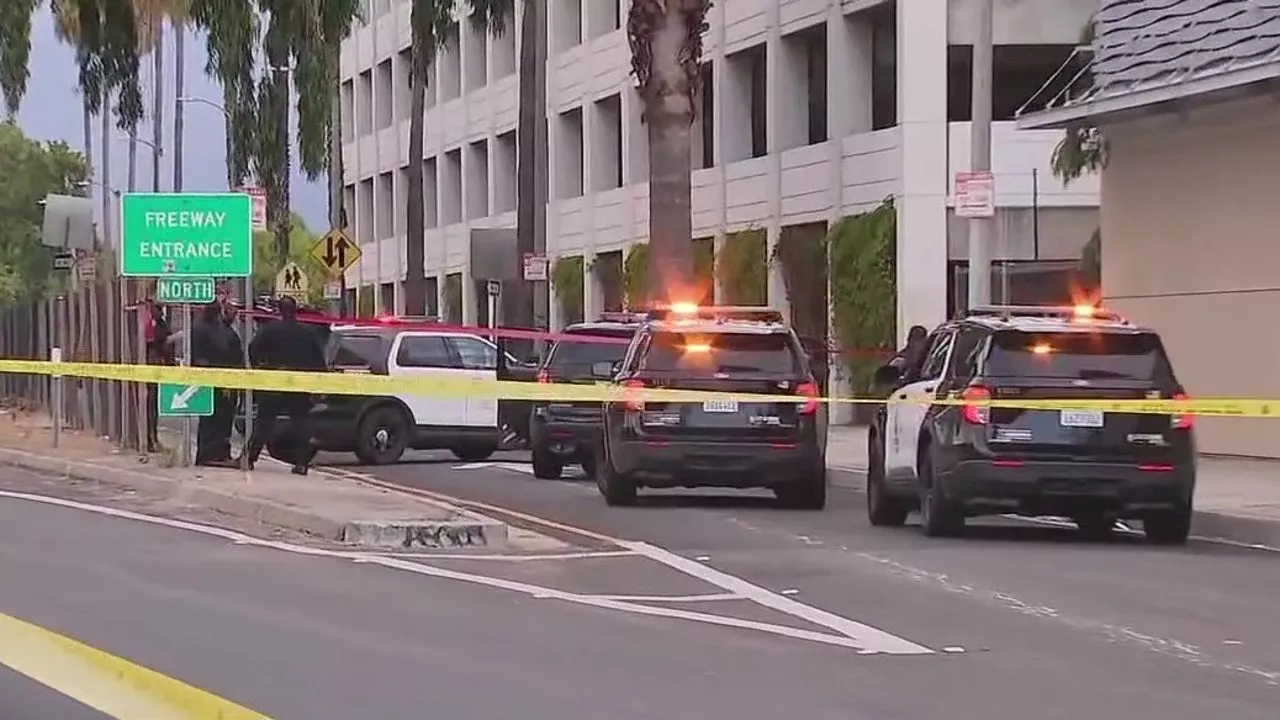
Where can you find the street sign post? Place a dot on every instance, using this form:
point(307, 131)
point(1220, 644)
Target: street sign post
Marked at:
point(185, 401)
point(192, 291)
point(336, 252)
point(186, 235)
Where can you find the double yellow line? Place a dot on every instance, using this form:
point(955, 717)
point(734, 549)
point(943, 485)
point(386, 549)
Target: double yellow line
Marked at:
point(109, 684)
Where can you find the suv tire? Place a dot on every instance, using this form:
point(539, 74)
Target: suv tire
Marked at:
point(939, 517)
point(546, 466)
point(807, 492)
point(618, 489)
point(883, 510)
point(382, 435)
point(474, 453)
point(1171, 527)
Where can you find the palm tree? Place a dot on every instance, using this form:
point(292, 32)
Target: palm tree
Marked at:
point(1082, 148)
point(432, 26)
point(66, 26)
point(666, 55)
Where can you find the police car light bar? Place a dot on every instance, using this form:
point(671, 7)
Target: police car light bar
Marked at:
point(1072, 312)
point(623, 317)
point(714, 312)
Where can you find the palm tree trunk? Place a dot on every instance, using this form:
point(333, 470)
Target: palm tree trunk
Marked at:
point(278, 62)
point(88, 137)
point(415, 283)
point(157, 102)
point(131, 183)
point(669, 114)
point(179, 90)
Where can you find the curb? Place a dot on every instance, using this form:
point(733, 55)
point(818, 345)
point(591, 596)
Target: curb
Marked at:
point(1209, 524)
point(474, 531)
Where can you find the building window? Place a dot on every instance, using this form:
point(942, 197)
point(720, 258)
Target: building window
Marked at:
point(475, 47)
point(603, 17)
point(503, 48)
point(383, 95)
point(364, 212)
point(451, 188)
point(430, 194)
point(606, 144)
point(402, 84)
point(566, 24)
point(884, 69)
point(450, 72)
point(504, 169)
point(569, 154)
point(348, 118)
point(384, 207)
point(364, 103)
point(477, 171)
point(705, 121)
point(743, 105)
point(1019, 73)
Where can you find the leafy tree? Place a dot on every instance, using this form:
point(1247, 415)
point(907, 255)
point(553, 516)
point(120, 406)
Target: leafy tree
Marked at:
point(666, 57)
point(267, 261)
point(30, 170)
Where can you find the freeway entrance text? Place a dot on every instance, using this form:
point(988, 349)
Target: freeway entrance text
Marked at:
point(186, 234)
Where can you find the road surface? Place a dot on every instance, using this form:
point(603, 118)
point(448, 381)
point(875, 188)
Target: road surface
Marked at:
point(714, 611)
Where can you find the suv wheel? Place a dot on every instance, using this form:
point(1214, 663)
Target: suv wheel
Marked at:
point(939, 517)
point(618, 489)
point(546, 466)
point(1171, 527)
point(883, 510)
point(382, 436)
point(474, 453)
point(807, 492)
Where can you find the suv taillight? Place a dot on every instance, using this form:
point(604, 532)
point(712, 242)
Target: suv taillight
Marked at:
point(1182, 421)
point(544, 377)
point(975, 414)
point(632, 404)
point(809, 391)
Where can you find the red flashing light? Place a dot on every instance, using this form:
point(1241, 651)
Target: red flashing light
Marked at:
point(544, 377)
point(972, 413)
point(632, 404)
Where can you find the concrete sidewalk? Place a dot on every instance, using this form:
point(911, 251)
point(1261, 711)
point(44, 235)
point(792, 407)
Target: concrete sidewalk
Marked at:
point(1236, 498)
point(335, 509)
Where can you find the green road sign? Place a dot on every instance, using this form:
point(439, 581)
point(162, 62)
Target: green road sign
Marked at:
point(185, 400)
point(184, 290)
point(186, 235)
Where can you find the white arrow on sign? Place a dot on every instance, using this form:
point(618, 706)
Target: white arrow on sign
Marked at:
point(181, 399)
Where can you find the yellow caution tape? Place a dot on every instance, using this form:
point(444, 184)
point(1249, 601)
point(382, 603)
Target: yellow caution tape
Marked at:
point(453, 387)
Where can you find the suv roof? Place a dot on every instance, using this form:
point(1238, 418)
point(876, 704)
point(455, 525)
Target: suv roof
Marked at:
point(1049, 318)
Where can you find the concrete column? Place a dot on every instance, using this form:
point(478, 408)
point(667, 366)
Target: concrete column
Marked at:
point(719, 77)
point(470, 311)
point(922, 205)
point(592, 292)
point(780, 117)
point(843, 105)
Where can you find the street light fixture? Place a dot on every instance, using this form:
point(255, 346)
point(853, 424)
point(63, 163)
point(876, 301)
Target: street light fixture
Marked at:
point(187, 99)
point(158, 150)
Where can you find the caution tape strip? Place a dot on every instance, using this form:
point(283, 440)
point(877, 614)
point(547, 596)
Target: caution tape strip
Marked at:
point(452, 387)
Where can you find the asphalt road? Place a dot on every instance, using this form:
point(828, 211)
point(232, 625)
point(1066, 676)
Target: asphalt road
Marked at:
point(1024, 620)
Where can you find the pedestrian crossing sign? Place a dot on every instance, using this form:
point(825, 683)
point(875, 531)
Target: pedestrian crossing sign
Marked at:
point(292, 281)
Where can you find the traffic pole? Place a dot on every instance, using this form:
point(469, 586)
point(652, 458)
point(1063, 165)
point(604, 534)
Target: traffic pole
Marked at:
point(980, 228)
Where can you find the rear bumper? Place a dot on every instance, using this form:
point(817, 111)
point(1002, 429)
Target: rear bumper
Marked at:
point(716, 464)
point(1058, 488)
point(562, 436)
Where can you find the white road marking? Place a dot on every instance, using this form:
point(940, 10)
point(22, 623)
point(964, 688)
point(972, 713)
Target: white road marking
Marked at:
point(711, 597)
point(844, 641)
point(872, 640)
point(495, 557)
point(524, 468)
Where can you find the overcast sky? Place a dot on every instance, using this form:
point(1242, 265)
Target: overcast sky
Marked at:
point(51, 111)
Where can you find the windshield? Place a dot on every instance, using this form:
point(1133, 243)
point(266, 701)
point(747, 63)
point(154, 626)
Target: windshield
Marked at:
point(1078, 356)
point(344, 350)
point(575, 357)
point(722, 353)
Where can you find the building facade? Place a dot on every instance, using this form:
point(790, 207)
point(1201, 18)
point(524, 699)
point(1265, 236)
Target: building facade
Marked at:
point(812, 110)
point(1185, 94)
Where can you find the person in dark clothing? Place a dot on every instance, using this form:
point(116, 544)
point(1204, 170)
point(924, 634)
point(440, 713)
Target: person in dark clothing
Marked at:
point(908, 359)
point(157, 333)
point(216, 344)
point(284, 345)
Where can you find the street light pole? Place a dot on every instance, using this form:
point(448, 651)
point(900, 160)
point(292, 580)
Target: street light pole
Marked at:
point(980, 228)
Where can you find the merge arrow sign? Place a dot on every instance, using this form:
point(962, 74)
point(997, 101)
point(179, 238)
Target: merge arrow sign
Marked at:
point(182, 399)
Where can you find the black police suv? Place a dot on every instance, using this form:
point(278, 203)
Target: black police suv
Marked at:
point(726, 443)
point(564, 433)
point(1094, 466)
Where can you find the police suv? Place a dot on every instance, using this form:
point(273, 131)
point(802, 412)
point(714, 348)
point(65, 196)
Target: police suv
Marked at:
point(563, 433)
point(379, 428)
point(780, 445)
point(955, 461)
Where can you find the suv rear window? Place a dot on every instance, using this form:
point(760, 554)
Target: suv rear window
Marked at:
point(1079, 355)
point(727, 353)
point(577, 356)
point(346, 350)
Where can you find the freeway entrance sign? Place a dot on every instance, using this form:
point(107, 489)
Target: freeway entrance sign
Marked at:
point(186, 235)
point(185, 401)
point(195, 291)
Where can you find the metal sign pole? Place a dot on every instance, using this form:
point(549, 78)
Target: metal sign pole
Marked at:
point(246, 336)
point(187, 456)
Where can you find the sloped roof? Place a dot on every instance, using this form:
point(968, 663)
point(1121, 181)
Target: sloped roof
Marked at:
point(1148, 53)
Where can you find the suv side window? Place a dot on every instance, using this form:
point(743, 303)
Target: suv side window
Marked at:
point(935, 360)
point(424, 351)
point(968, 347)
point(354, 351)
point(475, 354)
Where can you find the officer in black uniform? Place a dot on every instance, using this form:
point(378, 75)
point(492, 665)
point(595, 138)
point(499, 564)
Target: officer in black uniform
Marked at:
point(284, 345)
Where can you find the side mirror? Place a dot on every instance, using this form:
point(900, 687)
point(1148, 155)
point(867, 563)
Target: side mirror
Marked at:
point(603, 369)
point(887, 375)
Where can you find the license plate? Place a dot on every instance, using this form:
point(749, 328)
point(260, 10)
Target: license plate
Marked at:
point(1081, 418)
point(720, 406)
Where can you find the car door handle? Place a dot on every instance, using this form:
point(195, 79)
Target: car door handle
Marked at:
point(900, 396)
point(929, 388)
